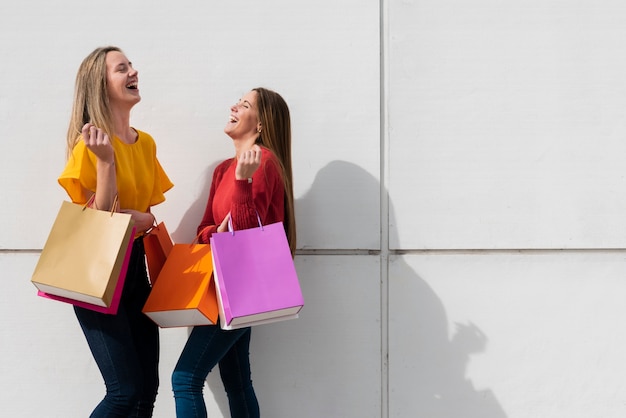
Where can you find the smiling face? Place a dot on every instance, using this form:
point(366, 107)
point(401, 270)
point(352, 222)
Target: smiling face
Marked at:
point(244, 118)
point(122, 79)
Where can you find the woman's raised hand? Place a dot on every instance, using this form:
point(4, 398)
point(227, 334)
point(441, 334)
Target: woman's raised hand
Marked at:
point(97, 141)
point(248, 162)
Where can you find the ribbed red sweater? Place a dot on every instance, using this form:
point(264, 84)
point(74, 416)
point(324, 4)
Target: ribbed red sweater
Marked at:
point(265, 195)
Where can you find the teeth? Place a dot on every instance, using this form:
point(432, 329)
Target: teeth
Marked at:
point(132, 85)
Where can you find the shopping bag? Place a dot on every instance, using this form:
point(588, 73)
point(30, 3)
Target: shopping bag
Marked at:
point(184, 293)
point(117, 294)
point(255, 277)
point(84, 254)
point(158, 245)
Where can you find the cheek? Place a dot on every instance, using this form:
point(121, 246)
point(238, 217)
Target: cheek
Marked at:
point(252, 120)
point(109, 85)
point(111, 91)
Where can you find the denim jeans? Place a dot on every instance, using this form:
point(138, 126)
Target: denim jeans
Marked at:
point(207, 346)
point(125, 347)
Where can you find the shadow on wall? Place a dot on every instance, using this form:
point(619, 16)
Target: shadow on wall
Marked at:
point(186, 230)
point(427, 368)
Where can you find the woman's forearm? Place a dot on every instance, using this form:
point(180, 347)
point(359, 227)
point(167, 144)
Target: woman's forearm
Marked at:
point(107, 185)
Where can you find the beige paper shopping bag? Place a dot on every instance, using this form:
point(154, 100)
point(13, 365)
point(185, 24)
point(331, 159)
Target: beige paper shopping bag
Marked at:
point(84, 254)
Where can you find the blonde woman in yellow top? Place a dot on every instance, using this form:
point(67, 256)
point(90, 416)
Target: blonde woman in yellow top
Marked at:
point(107, 157)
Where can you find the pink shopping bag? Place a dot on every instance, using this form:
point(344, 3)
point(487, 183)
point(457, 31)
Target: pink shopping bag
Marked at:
point(255, 277)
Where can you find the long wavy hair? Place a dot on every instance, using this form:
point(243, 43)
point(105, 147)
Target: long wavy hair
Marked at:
point(91, 100)
point(276, 136)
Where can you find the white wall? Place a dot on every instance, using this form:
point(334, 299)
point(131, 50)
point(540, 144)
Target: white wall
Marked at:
point(459, 185)
point(514, 112)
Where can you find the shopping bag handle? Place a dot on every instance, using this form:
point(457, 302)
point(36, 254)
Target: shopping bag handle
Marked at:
point(155, 224)
point(92, 199)
point(230, 223)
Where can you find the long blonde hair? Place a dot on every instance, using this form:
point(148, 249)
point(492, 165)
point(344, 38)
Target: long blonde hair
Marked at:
point(276, 136)
point(91, 101)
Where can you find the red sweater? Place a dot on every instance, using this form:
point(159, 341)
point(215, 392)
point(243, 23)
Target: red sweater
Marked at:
point(243, 200)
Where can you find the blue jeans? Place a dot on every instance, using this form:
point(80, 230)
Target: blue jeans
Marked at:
point(125, 347)
point(206, 347)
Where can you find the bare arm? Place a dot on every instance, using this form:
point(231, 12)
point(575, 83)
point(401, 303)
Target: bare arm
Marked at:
point(97, 141)
point(143, 220)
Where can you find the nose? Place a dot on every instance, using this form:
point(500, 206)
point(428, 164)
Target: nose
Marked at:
point(133, 72)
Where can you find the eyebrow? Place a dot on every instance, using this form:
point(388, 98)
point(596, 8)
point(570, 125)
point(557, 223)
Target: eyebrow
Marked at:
point(245, 101)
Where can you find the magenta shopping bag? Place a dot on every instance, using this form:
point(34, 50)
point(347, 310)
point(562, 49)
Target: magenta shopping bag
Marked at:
point(255, 277)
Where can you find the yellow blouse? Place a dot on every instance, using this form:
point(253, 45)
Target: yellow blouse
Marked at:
point(141, 181)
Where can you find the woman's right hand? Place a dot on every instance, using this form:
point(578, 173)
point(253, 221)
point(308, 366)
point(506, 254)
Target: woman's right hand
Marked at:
point(97, 141)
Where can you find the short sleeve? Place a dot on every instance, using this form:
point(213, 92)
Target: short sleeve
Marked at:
point(79, 174)
point(162, 184)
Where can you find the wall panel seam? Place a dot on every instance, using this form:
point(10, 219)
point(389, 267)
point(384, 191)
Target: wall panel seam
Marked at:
point(384, 207)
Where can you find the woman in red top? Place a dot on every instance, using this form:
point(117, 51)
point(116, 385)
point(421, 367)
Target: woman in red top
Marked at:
point(258, 180)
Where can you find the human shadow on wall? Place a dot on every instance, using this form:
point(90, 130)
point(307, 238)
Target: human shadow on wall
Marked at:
point(427, 367)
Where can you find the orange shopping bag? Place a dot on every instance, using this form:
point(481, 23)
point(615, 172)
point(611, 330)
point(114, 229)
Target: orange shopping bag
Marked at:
point(184, 294)
point(158, 245)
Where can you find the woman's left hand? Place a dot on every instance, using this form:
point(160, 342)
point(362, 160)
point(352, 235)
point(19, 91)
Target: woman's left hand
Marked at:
point(248, 162)
point(143, 220)
point(223, 227)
